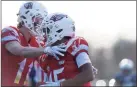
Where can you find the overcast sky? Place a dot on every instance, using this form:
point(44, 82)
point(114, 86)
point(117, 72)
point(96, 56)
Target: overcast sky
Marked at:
point(100, 22)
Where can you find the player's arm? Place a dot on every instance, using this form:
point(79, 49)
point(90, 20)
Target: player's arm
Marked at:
point(15, 48)
point(86, 73)
point(11, 41)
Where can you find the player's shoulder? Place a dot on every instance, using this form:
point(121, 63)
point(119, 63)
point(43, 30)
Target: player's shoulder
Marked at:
point(9, 29)
point(8, 34)
point(118, 75)
point(76, 45)
point(77, 41)
point(80, 40)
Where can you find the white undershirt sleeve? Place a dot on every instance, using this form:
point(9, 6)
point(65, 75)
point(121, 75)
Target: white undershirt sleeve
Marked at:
point(82, 59)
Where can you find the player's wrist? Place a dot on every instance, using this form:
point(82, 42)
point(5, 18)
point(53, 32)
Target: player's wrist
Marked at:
point(47, 50)
point(42, 50)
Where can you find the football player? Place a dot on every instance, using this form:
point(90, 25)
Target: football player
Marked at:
point(19, 46)
point(75, 67)
point(126, 77)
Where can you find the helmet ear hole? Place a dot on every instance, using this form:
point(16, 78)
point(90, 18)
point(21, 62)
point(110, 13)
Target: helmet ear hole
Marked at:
point(59, 30)
point(44, 30)
point(48, 30)
point(23, 17)
point(26, 12)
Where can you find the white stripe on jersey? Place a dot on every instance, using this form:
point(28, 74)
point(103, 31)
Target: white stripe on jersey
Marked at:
point(10, 29)
point(7, 38)
point(71, 42)
point(10, 37)
point(80, 47)
point(82, 59)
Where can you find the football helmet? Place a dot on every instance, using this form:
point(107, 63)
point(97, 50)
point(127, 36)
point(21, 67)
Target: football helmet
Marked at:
point(126, 64)
point(31, 14)
point(57, 26)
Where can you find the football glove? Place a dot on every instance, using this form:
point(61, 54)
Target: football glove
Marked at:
point(55, 50)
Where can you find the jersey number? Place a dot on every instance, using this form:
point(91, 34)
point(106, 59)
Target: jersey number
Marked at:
point(20, 71)
point(55, 75)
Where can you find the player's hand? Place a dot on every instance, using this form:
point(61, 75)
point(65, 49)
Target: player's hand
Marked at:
point(51, 84)
point(55, 50)
point(95, 70)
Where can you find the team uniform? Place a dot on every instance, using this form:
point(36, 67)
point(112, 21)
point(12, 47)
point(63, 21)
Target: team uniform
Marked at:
point(15, 69)
point(68, 65)
point(126, 80)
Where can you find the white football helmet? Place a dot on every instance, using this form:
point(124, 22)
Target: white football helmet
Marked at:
point(126, 64)
point(31, 14)
point(58, 26)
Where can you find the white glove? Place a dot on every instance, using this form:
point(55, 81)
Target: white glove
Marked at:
point(55, 50)
point(95, 70)
point(51, 84)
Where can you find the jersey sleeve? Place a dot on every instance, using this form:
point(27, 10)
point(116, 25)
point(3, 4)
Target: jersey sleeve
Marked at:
point(9, 34)
point(80, 51)
point(79, 45)
point(82, 59)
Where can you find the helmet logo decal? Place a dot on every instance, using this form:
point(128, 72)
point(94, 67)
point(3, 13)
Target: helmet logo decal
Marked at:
point(28, 5)
point(57, 17)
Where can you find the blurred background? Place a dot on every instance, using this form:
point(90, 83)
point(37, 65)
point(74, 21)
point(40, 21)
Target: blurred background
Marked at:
point(108, 26)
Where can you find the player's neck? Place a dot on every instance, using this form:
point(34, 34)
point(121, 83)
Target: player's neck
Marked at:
point(26, 34)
